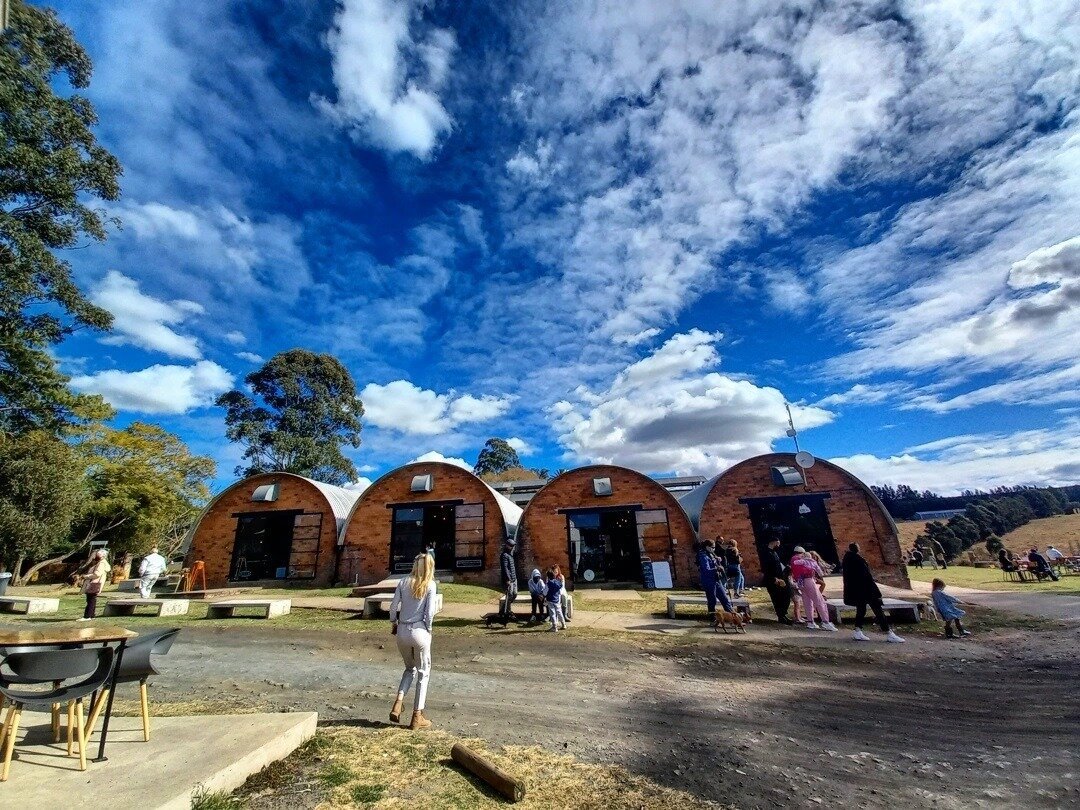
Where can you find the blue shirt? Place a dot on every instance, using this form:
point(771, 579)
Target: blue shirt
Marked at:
point(554, 590)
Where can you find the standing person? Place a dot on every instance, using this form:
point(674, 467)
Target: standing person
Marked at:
point(947, 608)
point(412, 612)
point(1042, 567)
point(713, 581)
point(509, 578)
point(562, 594)
point(916, 557)
point(153, 565)
point(807, 574)
point(939, 554)
point(538, 594)
point(97, 574)
point(861, 591)
point(774, 576)
point(734, 568)
point(431, 552)
point(554, 602)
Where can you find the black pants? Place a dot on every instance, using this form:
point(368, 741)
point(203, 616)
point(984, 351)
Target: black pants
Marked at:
point(511, 593)
point(91, 606)
point(781, 598)
point(538, 610)
point(879, 615)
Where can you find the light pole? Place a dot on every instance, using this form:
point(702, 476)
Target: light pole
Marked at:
point(5, 12)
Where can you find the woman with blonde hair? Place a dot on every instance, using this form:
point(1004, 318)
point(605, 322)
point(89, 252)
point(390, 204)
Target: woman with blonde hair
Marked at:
point(412, 612)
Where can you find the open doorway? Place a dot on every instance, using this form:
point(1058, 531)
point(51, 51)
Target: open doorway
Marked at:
point(263, 545)
point(417, 525)
point(604, 546)
point(799, 520)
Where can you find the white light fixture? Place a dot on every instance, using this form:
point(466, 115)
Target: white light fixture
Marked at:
point(804, 509)
point(423, 483)
point(601, 486)
point(267, 493)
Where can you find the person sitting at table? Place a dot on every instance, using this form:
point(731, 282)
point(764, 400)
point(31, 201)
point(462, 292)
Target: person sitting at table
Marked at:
point(1008, 563)
point(1042, 567)
point(1053, 555)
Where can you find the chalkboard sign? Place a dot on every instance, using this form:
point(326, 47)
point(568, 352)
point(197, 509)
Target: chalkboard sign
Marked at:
point(647, 574)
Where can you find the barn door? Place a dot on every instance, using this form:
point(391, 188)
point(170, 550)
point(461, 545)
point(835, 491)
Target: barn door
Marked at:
point(304, 556)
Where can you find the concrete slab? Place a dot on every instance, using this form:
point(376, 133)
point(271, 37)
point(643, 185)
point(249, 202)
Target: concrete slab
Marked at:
point(217, 751)
point(158, 607)
point(29, 604)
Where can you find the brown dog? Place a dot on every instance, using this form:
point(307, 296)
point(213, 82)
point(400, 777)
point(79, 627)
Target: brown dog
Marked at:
point(723, 618)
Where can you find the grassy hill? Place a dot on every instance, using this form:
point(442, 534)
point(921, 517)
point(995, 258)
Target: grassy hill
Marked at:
point(1061, 530)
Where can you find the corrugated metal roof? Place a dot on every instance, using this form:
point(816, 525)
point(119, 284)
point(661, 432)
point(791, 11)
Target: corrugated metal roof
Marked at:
point(511, 512)
point(693, 501)
point(341, 500)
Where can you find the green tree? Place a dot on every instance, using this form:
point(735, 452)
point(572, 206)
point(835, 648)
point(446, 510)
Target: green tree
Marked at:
point(496, 457)
point(42, 492)
point(965, 529)
point(303, 409)
point(51, 171)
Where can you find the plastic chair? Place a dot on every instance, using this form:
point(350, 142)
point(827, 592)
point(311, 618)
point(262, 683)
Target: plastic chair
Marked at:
point(136, 667)
point(16, 679)
point(93, 665)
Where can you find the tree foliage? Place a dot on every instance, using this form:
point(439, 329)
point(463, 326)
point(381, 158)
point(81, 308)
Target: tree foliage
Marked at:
point(51, 171)
point(303, 408)
point(497, 456)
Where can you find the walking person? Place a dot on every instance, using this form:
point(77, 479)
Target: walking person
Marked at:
point(554, 602)
point(939, 554)
point(713, 580)
point(774, 576)
point(948, 608)
point(861, 592)
point(153, 565)
point(97, 574)
point(808, 574)
point(412, 612)
point(509, 578)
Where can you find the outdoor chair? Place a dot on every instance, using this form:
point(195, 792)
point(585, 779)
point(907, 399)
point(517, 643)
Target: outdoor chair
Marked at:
point(136, 667)
point(18, 680)
point(93, 665)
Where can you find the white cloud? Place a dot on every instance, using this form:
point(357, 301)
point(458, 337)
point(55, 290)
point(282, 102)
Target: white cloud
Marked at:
point(387, 79)
point(982, 461)
point(522, 447)
point(359, 485)
point(402, 406)
point(863, 394)
point(433, 455)
point(670, 411)
point(251, 357)
point(235, 338)
point(159, 389)
point(143, 321)
point(1048, 388)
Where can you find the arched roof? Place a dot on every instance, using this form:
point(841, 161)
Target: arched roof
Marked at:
point(693, 502)
point(511, 512)
point(339, 499)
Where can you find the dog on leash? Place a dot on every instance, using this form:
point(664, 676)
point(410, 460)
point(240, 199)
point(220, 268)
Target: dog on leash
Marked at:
point(723, 618)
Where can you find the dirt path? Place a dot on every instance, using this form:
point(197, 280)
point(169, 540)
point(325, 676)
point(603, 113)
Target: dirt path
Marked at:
point(990, 722)
point(1060, 607)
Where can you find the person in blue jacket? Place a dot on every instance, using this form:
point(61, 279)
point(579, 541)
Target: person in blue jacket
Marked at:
point(713, 578)
point(554, 602)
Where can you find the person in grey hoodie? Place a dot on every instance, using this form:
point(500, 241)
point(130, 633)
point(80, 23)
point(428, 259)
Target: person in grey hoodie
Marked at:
point(538, 592)
point(509, 578)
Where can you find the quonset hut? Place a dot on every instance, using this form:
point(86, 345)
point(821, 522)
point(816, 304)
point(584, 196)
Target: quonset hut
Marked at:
point(274, 526)
point(767, 497)
point(601, 524)
point(427, 502)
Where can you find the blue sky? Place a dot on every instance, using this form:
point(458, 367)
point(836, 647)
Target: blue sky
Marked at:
point(612, 232)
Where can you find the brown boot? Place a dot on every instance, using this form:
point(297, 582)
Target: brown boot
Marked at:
point(395, 713)
point(419, 721)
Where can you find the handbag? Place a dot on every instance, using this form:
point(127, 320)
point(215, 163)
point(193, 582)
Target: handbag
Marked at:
point(92, 587)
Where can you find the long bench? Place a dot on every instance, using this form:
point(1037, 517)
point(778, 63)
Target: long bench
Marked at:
point(742, 606)
point(269, 608)
point(895, 608)
point(29, 604)
point(527, 599)
point(380, 603)
point(158, 607)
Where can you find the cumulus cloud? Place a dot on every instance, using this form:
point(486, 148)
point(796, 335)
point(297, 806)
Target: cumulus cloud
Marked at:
point(236, 338)
point(522, 447)
point(402, 406)
point(388, 73)
point(159, 389)
point(250, 357)
point(671, 411)
point(434, 455)
point(144, 321)
point(359, 485)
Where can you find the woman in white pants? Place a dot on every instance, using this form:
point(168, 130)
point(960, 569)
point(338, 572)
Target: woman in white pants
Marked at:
point(412, 612)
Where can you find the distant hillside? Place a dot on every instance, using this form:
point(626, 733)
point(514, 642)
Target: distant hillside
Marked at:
point(1059, 530)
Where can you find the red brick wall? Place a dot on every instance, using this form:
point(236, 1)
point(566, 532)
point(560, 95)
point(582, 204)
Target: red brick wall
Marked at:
point(854, 514)
point(216, 532)
point(367, 534)
point(542, 534)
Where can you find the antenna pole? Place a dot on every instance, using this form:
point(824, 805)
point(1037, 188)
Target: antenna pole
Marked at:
point(792, 433)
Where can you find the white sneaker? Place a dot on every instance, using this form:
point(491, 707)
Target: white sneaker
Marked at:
point(895, 639)
point(82, 619)
point(860, 636)
point(828, 626)
point(812, 626)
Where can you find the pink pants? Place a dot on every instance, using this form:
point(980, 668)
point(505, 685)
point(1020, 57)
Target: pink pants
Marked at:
point(811, 599)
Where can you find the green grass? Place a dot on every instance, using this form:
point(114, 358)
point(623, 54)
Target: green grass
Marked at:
point(367, 794)
point(989, 579)
point(335, 775)
point(202, 799)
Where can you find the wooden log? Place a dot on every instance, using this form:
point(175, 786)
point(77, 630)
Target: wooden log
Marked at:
point(513, 789)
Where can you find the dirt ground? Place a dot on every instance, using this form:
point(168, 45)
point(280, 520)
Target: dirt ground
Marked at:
point(774, 718)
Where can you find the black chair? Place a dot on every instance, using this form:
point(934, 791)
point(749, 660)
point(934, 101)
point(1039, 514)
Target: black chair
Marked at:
point(15, 679)
point(93, 665)
point(136, 667)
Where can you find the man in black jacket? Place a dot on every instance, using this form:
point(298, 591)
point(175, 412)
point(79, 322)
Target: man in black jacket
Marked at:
point(774, 577)
point(861, 592)
point(509, 577)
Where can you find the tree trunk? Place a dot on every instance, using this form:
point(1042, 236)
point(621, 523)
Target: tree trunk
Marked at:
point(17, 569)
point(90, 535)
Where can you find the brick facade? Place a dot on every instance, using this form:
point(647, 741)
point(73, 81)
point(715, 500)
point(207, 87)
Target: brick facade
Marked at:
point(855, 515)
point(366, 553)
point(215, 534)
point(542, 534)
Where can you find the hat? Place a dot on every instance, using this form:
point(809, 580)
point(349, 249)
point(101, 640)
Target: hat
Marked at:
point(800, 550)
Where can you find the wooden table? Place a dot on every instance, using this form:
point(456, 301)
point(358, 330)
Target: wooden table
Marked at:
point(75, 635)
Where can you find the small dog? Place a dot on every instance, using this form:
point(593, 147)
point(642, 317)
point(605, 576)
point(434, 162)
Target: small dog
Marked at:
point(500, 618)
point(723, 618)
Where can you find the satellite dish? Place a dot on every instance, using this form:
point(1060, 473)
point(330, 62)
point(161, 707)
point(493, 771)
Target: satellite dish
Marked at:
point(804, 459)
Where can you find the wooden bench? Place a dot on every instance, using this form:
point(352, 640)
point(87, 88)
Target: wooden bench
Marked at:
point(158, 607)
point(29, 604)
point(380, 603)
point(524, 597)
point(742, 606)
point(894, 608)
point(226, 608)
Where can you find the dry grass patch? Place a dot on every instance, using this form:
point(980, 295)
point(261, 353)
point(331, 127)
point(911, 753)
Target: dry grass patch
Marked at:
point(390, 767)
